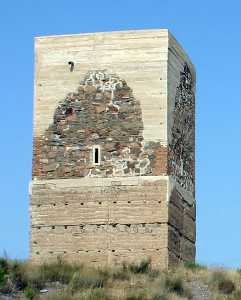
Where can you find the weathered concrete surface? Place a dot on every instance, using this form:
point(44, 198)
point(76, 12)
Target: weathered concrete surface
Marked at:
point(130, 95)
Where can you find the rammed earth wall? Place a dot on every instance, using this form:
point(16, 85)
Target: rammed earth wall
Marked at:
point(113, 152)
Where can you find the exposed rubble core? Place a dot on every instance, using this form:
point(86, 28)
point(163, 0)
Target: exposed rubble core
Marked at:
point(102, 112)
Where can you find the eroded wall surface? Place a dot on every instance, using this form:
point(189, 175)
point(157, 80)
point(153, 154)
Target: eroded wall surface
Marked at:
point(181, 154)
point(125, 94)
point(100, 220)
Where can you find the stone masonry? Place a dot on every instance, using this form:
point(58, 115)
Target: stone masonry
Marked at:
point(114, 149)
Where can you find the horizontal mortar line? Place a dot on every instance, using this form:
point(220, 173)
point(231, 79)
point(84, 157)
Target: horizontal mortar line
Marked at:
point(104, 250)
point(98, 224)
point(181, 234)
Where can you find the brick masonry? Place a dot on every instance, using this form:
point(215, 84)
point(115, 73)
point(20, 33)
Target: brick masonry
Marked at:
point(113, 150)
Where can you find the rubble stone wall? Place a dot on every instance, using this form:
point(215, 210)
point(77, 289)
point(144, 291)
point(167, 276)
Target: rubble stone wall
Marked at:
point(181, 154)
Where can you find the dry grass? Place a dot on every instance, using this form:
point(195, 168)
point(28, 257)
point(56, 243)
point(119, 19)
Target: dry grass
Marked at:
point(126, 282)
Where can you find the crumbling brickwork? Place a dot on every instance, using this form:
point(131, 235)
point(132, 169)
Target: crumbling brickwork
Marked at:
point(113, 150)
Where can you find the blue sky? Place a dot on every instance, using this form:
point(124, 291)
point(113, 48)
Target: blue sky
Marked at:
point(210, 33)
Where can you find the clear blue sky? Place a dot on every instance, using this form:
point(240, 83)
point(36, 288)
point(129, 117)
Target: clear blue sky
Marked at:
point(210, 31)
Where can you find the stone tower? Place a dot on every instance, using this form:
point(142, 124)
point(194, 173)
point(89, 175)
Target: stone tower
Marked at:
point(114, 149)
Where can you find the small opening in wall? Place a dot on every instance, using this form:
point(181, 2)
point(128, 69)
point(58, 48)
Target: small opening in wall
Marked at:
point(66, 203)
point(53, 227)
point(71, 66)
point(159, 201)
point(54, 204)
point(81, 203)
point(96, 155)
point(114, 202)
point(39, 205)
point(65, 226)
point(37, 253)
point(39, 227)
point(129, 201)
point(113, 250)
point(100, 202)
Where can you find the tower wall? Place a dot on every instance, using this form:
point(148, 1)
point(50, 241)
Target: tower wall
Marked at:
point(104, 187)
point(181, 154)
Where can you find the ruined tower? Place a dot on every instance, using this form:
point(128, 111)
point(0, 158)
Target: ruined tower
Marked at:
point(114, 149)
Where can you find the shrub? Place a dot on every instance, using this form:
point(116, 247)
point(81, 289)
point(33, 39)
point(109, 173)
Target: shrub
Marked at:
point(175, 284)
point(142, 267)
point(12, 276)
point(3, 271)
point(30, 293)
point(89, 294)
point(81, 281)
point(17, 275)
point(136, 295)
point(161, 296)
point(226, 286)
point(193, 266)
point(222, 283)
point(59, 271)
point(96, 294)
point(121, 275)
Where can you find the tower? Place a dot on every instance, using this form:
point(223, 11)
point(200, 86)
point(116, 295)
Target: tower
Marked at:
point(114, 149)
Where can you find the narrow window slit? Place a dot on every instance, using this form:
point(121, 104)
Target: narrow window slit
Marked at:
point(71, 66)
point(96, 155)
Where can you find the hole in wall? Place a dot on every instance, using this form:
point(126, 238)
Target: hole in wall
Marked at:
point(53, 227)
point(81, 203)
point(71, 66)
point(96, 155)
point(100, 202)
point(129, 201)
point(65, 226)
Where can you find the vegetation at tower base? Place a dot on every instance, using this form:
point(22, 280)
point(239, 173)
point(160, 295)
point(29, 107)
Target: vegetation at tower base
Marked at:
point(64, 281)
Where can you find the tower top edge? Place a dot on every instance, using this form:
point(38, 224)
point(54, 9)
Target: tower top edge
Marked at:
point(132, 31)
